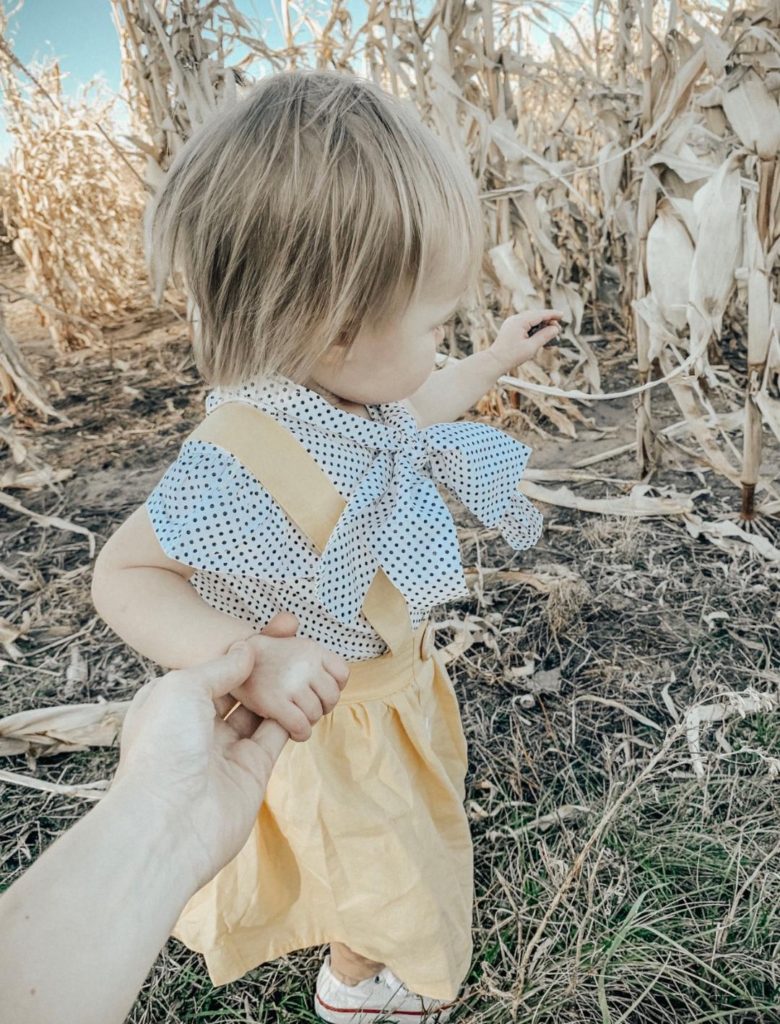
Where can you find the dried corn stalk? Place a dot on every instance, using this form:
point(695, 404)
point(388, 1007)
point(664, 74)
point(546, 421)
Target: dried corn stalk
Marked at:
point(617, 179)
point(62, 729)
point(176, 70)
point(76, 207)
point(16, 378)
point(709, 238)
point(624, 162)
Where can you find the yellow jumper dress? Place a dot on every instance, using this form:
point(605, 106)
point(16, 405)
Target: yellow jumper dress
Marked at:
point(362, 837)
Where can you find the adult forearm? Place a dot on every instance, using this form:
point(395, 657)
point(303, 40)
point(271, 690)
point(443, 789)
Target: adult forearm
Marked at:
point(452, 391)
point(162, 616)
point(76, 941)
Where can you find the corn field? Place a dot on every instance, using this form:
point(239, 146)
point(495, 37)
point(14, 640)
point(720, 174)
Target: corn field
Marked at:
point(629, 174)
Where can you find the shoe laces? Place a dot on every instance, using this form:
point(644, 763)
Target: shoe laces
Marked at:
point(391, 980)
point(431, 1007)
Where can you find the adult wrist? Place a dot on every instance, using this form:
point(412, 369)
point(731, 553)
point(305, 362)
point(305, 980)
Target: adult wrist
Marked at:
point(155, 822)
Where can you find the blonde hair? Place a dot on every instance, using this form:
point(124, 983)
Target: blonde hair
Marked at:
point(317, 205)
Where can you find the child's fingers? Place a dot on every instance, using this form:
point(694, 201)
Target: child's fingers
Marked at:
point(328, 691)
point(295, 722)
point(544, 314)
point(544, 332)
point(536, 321)
point(282, 624)
point(309, 703)
point(337, 666)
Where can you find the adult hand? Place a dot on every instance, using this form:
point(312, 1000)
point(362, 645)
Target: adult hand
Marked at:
point(81, 928)
point(208, 775)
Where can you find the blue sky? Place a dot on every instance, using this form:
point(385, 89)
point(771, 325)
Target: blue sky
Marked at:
point(81, 34)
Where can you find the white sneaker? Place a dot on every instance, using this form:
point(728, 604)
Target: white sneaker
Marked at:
point(383, 999)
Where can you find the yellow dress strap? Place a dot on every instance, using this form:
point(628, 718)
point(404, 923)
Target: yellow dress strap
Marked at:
point(293, 478)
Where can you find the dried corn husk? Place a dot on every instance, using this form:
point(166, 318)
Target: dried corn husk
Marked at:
point(749, 702)
point(718, 240)
point(670, 253)
point(752, 112)
point(611, 161)
point(638, 504)
point(56, 730)
point(85, 791)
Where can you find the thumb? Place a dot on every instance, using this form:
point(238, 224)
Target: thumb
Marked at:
point(220, 675)
point(282, 624)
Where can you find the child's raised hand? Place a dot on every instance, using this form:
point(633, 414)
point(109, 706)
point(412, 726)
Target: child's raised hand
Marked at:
point(522, 335)
point(295, 681)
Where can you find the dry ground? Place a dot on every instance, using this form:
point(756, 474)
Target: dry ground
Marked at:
point(673, 913)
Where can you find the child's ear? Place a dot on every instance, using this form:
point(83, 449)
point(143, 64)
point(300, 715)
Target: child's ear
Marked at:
point(346, 337)
point(336, 352)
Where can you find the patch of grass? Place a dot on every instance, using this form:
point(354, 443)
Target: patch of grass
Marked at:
point(674, 914)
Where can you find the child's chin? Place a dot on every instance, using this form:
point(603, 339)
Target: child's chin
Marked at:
point(385, 395)
point(406, 385)
point(387, 386)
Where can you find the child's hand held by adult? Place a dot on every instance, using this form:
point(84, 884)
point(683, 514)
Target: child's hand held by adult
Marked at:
point(294, 681)
point(522, 335)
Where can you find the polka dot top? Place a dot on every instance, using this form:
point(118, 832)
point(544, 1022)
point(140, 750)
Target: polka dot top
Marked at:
point(251, 561)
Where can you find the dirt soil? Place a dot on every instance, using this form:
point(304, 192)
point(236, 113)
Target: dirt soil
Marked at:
point(612, 883)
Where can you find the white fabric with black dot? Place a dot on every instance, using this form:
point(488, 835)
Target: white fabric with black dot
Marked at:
point(251, 561)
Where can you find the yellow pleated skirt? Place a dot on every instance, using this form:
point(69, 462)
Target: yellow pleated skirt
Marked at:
point(362, 838)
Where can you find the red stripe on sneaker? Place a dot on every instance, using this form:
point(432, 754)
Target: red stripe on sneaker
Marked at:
point(384, 1010)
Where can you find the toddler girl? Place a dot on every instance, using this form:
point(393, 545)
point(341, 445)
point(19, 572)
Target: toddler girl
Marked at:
point(325, 234)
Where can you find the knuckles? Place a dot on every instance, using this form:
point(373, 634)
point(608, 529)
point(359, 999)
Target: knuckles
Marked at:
point(284, 674)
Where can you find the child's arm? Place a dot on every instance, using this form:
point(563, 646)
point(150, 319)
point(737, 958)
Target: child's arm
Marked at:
point(449, 393)
point(145, 597)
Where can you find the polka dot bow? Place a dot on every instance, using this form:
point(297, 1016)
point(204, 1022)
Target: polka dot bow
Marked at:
point(397, 519)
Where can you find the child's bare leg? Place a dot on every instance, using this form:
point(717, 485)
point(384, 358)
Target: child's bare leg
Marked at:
point(349, 967)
